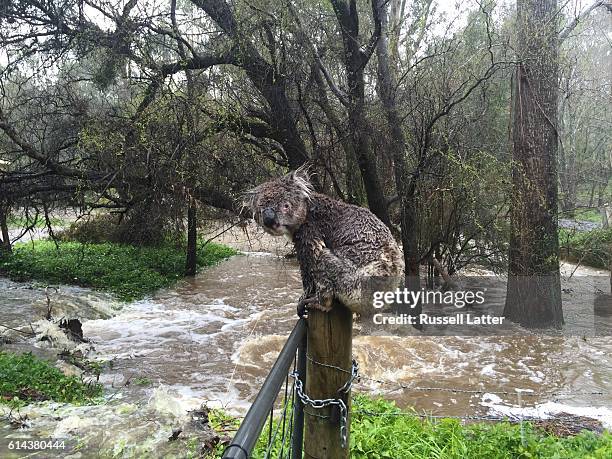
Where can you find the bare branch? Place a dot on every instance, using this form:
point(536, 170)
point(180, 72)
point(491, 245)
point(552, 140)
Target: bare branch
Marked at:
point(341, 95)
point(581, 17)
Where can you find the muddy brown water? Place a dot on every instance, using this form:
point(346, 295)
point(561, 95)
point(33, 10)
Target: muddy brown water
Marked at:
point(219, 334)
point(213, 338)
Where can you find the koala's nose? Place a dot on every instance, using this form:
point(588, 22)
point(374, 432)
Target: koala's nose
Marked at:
point(268, 216)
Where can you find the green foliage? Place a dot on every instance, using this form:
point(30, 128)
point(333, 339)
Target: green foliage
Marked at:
point(399, 435)
point(395, 434)
point(101, 228)
point(220, 420)
point(470, 202)
point(593, 248)
point(589, 215)
point(127, 271)
point(24, 378)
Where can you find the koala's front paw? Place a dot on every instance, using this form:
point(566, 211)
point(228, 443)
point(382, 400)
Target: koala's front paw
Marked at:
point(322, 302)
point(305, 304)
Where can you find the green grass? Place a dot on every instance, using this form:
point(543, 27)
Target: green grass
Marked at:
point(592, 248)
point(127, 271)
point(397, 435)
point(588, 215)
point(25, 378)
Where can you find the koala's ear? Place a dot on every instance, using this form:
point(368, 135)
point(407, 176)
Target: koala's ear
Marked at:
point(302, 173)
point(249, 198)
point(301, 179)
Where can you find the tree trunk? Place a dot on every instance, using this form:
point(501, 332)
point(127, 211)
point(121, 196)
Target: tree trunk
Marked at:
point(355, 61)
point(192, 240)
point(534, 291)
point(191, 259)
point(268, 80)
point(5, 240)
point(367, 163)
point(397, 143)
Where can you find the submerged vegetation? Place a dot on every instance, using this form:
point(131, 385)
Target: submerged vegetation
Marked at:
point(25, 378)
point(127, 271)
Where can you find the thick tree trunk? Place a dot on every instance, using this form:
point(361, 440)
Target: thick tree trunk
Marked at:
point(533, 291)
point(269, 81)
point(283, 120)
point(355, 61)
point(367, 162)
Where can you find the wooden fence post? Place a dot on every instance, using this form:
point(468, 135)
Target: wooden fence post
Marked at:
point(330, 341)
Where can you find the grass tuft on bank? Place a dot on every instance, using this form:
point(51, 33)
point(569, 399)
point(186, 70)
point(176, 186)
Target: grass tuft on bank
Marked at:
point(396, 435)
point(127, 271)
point(393, 434)
point(25, 378)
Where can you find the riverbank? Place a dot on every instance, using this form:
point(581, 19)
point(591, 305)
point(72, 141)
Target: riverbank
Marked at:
point(25, 378)
point(127, 271)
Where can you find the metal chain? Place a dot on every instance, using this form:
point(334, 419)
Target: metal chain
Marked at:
point(354, 376)
point(322, 403)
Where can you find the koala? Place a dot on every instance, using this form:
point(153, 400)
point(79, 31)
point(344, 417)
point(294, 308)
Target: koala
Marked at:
point(343, 250)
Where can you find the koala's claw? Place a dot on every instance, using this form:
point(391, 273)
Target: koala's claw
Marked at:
point(320, 302)
point(304, 304)
point(318, 246)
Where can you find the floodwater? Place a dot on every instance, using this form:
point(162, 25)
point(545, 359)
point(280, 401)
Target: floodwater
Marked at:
point(213, 339)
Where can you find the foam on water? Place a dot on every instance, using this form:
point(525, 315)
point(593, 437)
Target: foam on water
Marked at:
point(546, 410)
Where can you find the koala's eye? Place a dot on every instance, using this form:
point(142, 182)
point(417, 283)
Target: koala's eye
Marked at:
point(286, 206)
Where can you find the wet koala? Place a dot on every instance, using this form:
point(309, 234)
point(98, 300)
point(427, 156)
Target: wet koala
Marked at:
point(345, 252)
